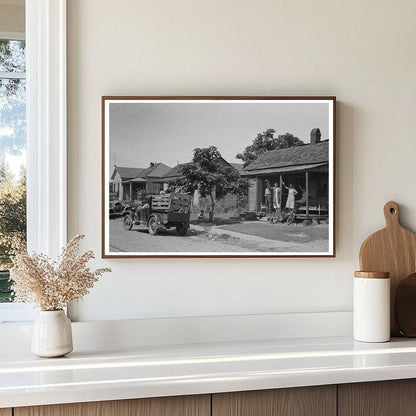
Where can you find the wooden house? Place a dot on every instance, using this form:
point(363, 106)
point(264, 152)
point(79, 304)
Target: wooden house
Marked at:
point(173, 176)
point(119, 177)
point(306, 167)
point(148, 180)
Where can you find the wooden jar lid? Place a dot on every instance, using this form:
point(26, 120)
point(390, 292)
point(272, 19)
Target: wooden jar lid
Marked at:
point(372, 275)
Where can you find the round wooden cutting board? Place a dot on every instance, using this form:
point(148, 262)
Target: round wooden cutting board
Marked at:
point(393, 250)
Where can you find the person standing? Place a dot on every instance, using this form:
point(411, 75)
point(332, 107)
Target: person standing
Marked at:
point(276, 196)
point(268, 196)
point(290, 202)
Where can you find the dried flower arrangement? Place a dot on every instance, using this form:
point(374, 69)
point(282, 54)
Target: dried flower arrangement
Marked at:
point(53, 285)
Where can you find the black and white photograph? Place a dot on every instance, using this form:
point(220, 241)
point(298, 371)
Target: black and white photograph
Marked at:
point(218, 176)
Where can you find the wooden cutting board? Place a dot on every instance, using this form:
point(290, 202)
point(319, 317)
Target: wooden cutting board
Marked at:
point(405, 306)
point(393, 250)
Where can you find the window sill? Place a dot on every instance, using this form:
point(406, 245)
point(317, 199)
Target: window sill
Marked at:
point(16, 313)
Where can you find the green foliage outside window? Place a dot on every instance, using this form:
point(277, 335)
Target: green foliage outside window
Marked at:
point(12, 148)
point(12, 223)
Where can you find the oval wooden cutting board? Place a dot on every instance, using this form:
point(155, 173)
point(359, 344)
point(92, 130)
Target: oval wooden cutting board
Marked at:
point(393, 250)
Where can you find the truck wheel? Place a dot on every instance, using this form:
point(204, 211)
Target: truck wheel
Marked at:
point(127, 222)
point(182, 229)
point(152, 226)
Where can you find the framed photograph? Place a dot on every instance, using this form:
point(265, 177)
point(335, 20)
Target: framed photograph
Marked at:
point(218, 176)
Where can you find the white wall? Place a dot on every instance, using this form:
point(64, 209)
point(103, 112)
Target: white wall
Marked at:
point(361, 51)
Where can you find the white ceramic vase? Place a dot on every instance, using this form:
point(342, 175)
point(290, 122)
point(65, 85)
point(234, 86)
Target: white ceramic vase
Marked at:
point(52, 334)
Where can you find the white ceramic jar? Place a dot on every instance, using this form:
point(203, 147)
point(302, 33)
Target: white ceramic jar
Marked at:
point(52, 334)
point(371, 313)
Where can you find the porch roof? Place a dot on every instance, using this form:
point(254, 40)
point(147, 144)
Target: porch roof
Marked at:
point(290, 159)
point(283, 169)
point(136, 180)
point(126, 172)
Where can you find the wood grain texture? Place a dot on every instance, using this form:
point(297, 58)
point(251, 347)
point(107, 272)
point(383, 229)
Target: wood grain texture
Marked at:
point(381, 398)
point(393, 250)
point(300, 401)
point(405, 306)
point(5, 412)
point(160, 406)
point(372, 275)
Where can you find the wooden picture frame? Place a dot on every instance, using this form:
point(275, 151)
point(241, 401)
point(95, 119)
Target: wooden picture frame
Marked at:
point(161, 175)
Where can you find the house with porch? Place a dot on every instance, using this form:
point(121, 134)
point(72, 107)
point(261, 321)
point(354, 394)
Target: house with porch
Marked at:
point(129, 182)
point(148, 180)
point(118, 178)
point(306, 167)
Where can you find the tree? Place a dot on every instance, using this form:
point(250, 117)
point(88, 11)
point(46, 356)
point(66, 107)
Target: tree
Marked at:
point(210, 175)
point(12, 142)
point(12, 97)
point(266, 141)
point(12, 213)
point(6, 176)
point(241, 189)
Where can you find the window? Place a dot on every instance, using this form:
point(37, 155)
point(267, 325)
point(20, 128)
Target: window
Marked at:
point(45, 27)
point(12, 154)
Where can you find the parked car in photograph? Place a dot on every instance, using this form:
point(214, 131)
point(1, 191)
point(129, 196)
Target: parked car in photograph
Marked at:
point(116, 206)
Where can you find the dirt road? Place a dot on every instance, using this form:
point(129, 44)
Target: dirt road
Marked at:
point(196, 240)
point(245, 237)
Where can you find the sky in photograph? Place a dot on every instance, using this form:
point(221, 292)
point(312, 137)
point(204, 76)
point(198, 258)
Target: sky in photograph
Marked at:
point(141, 133)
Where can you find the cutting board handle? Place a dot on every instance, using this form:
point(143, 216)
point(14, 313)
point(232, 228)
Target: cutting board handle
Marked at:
point(391, 214)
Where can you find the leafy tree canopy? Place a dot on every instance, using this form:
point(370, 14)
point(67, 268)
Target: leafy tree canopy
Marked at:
point(12, 213)
point(208, 172)
point(266, 141)
point(12, 142)
point(12, 97)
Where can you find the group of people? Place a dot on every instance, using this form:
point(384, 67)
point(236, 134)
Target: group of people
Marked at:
point(170, 190)
point(273, 196)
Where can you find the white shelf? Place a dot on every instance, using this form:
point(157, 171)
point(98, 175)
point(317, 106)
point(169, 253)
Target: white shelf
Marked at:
point(151, 371)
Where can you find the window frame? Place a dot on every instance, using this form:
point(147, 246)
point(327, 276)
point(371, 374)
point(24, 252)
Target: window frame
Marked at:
point(12, 35)
point(46, 125)
point(46, 137)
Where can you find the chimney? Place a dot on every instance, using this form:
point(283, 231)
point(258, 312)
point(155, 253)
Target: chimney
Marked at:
point(315, 136)
point(152, 164)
